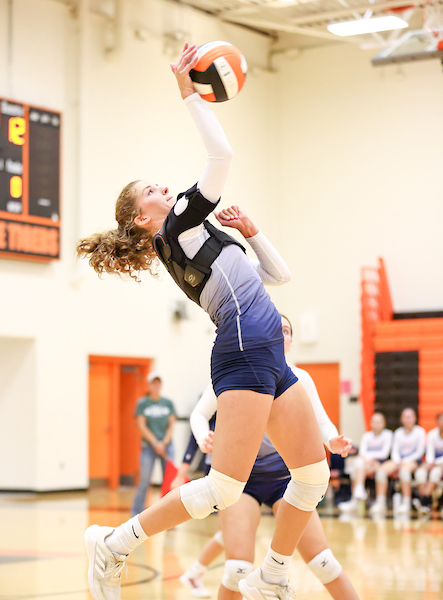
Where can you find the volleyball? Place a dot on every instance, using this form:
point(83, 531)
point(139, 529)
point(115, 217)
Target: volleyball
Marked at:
point(220, 71)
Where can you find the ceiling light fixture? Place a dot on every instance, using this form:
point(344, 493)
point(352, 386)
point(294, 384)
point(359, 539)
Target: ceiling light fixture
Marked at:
point(361, 26)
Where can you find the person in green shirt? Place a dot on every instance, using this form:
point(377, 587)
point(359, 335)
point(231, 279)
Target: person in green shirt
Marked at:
point(155, 418)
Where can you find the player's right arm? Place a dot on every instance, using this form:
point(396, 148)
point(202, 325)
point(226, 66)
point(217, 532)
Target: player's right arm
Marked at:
point(219, 152)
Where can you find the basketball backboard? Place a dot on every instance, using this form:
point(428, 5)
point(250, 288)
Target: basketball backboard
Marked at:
point(412, 46)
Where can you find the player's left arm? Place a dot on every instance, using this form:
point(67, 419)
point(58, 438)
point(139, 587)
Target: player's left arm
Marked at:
point(270, 265)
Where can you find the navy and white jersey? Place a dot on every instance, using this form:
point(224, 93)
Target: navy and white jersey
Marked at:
point(434, 447)
point(408, 445)
point(377, 447)
point(234, 295)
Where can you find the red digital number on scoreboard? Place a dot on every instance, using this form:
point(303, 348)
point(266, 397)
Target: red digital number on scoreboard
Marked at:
point(29, 182)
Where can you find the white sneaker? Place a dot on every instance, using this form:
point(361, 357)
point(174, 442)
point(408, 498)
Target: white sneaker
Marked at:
point(254, 588)
point(378, 508)
point(194, 581)
point(360, 493)
point(422, 510)
point(404, 508)
point(105, 567)
point(348, 507)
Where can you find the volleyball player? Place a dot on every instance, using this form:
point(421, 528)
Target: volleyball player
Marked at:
point(255, 388)
point(266, 485)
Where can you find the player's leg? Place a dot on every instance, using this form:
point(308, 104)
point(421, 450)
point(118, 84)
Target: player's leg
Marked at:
point(381, 486)
point(427, 477)
point(239, 526)
point(241, 422)
point(314, 550)
point(294, 432)
point(407, 469)
point(358, 479)
point(193, 576)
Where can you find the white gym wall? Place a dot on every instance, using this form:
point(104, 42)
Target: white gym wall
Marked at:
point(337, 162)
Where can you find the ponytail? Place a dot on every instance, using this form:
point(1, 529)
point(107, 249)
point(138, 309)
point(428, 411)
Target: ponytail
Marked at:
point(125, 250)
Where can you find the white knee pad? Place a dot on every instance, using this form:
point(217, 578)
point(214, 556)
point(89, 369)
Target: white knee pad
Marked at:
point(359, 463)
point(210, 494)
point(218, 537)
point(436, 475)
point(308, 485)
point(234, 571)
point(420, 475)
point(325, 566)
point(405, 475)
point(381, 476)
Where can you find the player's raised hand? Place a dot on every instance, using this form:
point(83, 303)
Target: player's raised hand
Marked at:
point(181, 68)
point(236, 218)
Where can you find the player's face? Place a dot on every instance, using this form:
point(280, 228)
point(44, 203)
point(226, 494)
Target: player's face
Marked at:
point(377, 423)
point(408, 418)
point(154, 201)
point(155, 387)
point(287, 335)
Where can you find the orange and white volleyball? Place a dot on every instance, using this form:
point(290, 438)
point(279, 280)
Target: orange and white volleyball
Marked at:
point(220, 71)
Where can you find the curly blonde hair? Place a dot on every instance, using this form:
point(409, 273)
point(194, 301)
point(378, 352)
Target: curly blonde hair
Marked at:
point(125, 250)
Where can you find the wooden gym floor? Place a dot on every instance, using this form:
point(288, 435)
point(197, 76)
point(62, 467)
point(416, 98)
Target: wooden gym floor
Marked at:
point(41, 552)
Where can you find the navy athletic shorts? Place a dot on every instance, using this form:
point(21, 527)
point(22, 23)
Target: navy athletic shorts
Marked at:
point(263, 370)
point(268, 480)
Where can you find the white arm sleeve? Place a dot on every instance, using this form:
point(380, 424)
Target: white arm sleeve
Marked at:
point(270, 266)
point(213, 178)
point(327, 428)
point(202, 413)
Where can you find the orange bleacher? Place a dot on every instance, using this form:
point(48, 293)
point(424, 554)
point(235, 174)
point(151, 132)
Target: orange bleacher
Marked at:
point(380, 333)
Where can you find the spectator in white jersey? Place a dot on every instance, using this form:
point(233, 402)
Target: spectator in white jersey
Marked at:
point(408, 448)
point(375, 447)
point(429, 475)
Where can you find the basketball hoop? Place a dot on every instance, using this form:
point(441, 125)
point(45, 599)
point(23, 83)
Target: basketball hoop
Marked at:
point(433, 19)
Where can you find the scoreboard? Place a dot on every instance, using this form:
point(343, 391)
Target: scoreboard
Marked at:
point(29, 182)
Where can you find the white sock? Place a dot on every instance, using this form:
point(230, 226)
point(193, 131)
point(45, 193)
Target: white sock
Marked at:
point(359, 490)
point(126, 537)
point(275, 567)
point(197, 568)
point(381, 499)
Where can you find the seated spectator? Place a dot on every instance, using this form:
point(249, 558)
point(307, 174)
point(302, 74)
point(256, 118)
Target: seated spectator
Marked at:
point(429, 475)
point(375, 447)
point(408, 448)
